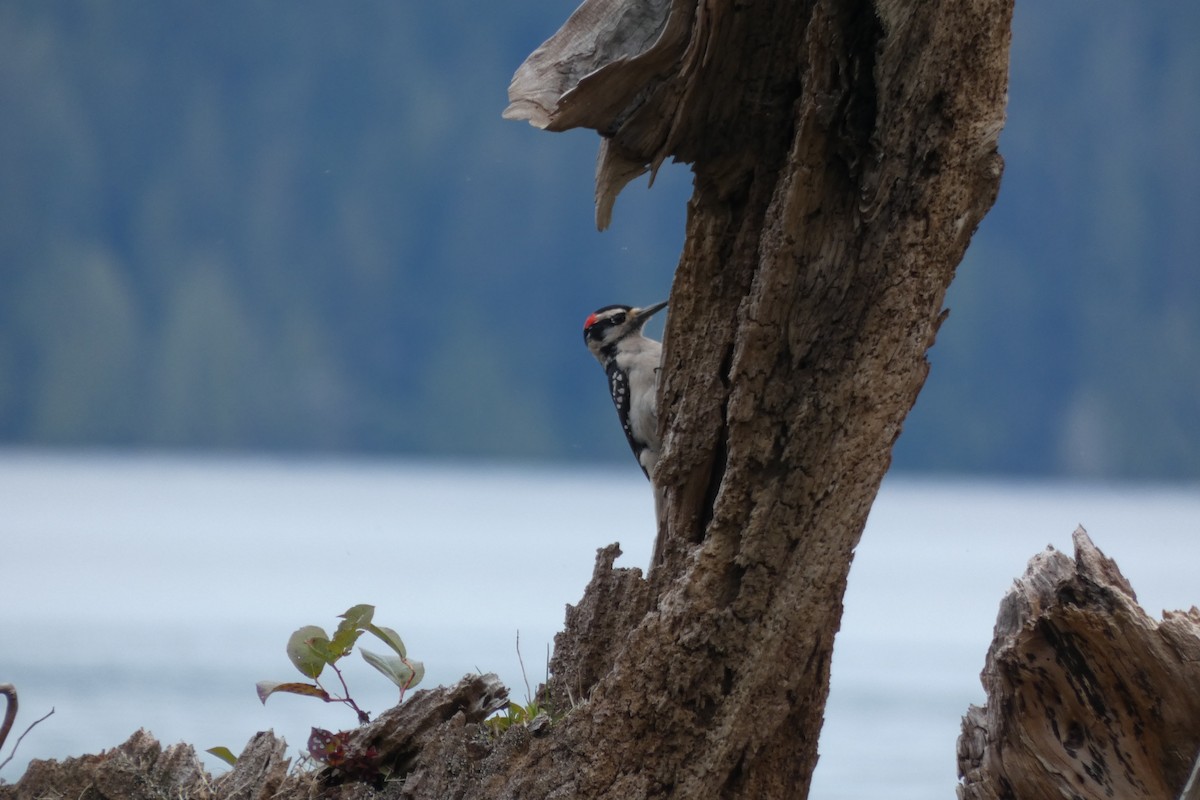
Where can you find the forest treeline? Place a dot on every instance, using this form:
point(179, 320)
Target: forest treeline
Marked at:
point(304, 226)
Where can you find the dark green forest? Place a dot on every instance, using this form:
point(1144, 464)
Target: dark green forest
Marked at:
point(304, 227)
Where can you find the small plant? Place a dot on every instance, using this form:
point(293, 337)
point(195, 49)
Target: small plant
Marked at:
point(515, 713)
point(311, 650)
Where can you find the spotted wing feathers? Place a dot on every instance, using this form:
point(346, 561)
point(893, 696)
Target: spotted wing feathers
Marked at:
point(618, 386)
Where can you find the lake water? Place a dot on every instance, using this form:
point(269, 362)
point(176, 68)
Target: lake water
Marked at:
point(155, 591)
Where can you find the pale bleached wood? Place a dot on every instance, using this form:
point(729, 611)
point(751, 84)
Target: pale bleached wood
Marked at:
point(1088, 697)
point(603, 47)
point(614, 67)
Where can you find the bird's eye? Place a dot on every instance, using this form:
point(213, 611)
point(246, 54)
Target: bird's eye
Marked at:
point(618, 318)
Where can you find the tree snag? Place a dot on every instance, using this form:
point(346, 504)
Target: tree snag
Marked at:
point(844, 153)
point(1088, 697)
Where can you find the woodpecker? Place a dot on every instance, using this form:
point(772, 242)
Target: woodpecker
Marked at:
point(631, 361)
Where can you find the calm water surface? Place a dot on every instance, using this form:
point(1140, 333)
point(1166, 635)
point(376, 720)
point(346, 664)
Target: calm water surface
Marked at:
point(154, 591)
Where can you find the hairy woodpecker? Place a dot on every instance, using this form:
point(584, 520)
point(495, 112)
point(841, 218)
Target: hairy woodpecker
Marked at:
point(631, 361)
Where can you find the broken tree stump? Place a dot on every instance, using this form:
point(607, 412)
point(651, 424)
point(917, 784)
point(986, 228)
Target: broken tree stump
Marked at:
point(1087, 695)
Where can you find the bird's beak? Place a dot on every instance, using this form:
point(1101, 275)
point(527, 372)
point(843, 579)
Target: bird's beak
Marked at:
point(640, 315)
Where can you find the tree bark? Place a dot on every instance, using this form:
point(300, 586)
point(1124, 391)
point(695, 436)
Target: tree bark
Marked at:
point(844, 153)
point(1088, 697)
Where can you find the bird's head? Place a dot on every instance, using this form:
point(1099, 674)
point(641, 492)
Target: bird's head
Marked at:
point(607, 326)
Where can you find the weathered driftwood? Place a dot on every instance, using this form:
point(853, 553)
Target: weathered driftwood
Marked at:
point(262, 768)
point(139, 769)
point(10, 711)
point(615, 66)
point(1087, 696)
point(401, 734)
point(436, 731)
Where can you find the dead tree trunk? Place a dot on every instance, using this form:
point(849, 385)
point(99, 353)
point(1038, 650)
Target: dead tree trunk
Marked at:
point(844, 153)
point(1088, 697)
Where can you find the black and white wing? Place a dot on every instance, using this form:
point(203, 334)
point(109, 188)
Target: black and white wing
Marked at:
point(618, 386)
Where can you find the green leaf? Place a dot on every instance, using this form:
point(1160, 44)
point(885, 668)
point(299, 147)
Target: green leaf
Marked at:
point(498, 724)
point(390, 638)
point(354, 622)
point(309, 650)
point(343, 640)
point(223, 753)
point(267, 688)
point(359, 616)
point(404, 674)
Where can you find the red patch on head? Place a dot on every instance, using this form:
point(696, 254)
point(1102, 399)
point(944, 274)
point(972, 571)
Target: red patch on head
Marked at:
point(591, 320)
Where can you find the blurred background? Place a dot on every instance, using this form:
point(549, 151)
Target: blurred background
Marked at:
point(290, 321)
point(303, 227)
